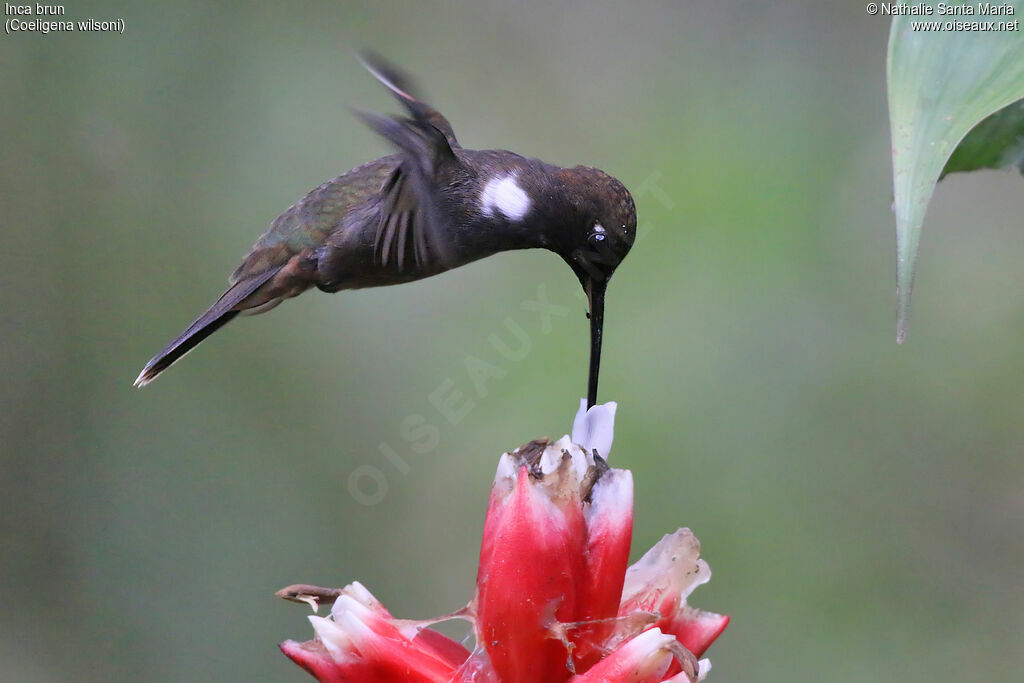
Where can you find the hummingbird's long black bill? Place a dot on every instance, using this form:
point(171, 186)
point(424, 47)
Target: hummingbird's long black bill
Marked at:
point(595, 294)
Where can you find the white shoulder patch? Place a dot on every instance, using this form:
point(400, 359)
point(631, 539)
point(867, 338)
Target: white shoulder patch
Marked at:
point(502, 193)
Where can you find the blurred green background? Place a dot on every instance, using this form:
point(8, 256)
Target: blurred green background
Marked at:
point(860, 504)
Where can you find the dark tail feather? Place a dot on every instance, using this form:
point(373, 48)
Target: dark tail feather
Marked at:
point(200, 330)
point(218, 315)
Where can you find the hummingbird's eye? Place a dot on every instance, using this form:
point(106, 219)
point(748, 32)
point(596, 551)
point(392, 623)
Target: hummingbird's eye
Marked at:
point(597, 234)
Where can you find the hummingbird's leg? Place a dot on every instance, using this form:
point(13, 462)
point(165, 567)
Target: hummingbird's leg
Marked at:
point(595, 293)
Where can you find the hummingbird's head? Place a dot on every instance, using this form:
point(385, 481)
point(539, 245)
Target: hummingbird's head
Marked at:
point(604, 227)
point(597, 239)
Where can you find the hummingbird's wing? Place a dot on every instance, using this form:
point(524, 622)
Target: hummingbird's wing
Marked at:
point(405, 91)
point(411, 219)
point(400, 220)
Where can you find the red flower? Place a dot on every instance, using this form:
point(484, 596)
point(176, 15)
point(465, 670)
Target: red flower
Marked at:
point(554, 600)
point(361, 641)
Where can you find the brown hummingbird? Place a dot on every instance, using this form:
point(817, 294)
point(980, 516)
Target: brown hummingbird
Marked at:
point(430, 207)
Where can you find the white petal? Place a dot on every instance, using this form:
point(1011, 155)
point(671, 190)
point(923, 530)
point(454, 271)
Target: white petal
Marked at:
point(579, 422)
point(508, 469)
point(649, 653)
point(594, 429)
point(347, 604)
point(355, 628)
point(611, 500)
point(648, 642)
point(360, 593)
point(552, 456)
point(333, 636)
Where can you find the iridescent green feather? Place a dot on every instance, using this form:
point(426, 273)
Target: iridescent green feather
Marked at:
point(308, 222)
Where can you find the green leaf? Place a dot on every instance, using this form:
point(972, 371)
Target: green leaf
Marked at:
point(941, 84)
point(996, 142)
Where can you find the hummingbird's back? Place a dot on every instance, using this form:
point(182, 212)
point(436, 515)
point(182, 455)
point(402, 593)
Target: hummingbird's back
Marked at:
point(308, 223)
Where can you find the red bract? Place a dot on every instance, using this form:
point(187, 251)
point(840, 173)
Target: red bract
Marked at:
point(645, 658)
point(554, 600)
point(361, 641)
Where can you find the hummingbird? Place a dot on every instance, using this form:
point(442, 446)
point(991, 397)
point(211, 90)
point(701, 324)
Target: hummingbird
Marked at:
point(429, 207)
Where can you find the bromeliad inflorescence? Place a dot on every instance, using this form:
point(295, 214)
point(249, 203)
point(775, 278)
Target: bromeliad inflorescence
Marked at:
point(554, 600)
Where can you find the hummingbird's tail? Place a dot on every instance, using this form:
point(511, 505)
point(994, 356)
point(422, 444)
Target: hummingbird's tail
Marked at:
point(215, 317)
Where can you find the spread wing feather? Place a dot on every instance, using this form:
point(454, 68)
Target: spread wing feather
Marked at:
point(412, 221)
